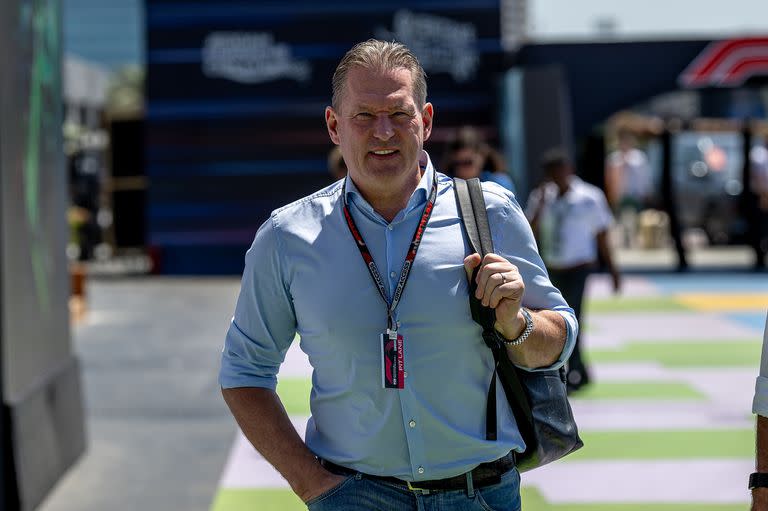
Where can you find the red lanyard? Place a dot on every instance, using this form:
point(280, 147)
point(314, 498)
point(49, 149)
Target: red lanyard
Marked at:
point(409, 257)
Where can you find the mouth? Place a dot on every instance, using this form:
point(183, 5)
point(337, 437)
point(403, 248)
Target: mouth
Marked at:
point(383, 153)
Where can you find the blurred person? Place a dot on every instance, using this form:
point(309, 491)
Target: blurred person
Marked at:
point(336, 166)
point(758, 481)
point(759, 160)
point(628, 184)
point(571, 219)
point(468, 156)
point(495, 163)
point(84, 193)
point(385, 430)
point(758, 156)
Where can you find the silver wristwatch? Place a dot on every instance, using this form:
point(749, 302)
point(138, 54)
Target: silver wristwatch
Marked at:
point(520, 339)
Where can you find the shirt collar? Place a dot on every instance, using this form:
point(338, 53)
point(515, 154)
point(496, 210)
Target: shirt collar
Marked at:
point(418, 198)
point(574, 184)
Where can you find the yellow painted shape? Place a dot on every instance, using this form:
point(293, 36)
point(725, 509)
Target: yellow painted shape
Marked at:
point(724, 301)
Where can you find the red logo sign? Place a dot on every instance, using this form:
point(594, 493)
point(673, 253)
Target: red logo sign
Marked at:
point(727, 63)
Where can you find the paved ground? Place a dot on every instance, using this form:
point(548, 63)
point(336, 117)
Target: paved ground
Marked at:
point(158, 430)
point(667, 425)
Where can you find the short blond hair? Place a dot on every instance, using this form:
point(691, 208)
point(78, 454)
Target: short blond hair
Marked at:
point(379, 55)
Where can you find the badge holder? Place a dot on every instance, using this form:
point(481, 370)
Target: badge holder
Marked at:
point(392, 360)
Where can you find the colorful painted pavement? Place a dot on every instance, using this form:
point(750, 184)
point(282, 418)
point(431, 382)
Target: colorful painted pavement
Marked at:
point(667, 423)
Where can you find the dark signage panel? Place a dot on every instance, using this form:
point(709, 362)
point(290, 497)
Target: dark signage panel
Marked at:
point(236, 94)
point(42, 419)
point(603, 78)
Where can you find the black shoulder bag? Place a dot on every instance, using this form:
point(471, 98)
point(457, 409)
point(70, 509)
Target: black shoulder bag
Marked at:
point(538, 399)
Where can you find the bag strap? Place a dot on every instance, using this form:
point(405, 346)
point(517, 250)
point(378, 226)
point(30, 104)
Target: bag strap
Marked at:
point(474, 216)
point(480, 242)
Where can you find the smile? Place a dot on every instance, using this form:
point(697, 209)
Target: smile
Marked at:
point(384, 152)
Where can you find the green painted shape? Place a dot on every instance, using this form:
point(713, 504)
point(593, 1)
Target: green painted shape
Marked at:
point(261, 499)
point(633, 304)
point(284, 500)
point(294, 393)
point(722, 353)
point(654, 506)
point(533, 501)
point(665, 445)
point(658, 391)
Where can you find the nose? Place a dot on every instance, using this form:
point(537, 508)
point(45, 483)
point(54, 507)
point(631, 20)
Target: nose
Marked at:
point(383, 129)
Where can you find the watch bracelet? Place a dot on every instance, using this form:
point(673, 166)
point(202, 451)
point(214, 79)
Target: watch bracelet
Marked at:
point(520, 339)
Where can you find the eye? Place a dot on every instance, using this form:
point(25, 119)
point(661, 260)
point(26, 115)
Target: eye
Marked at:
point(363, 115)
point(401, 114)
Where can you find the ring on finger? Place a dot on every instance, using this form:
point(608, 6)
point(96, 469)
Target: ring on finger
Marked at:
point(503, 278)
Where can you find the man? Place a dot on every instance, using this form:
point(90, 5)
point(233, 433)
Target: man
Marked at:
point(336, 166)
point(758, 482)
point(400, 375)
point(628, 174)
point(628, 184)
point(570, 219)
point(469, 156)
point(758, 156)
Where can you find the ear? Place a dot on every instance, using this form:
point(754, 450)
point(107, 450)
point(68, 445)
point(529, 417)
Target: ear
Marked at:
point(331, 122)
point(426, 119)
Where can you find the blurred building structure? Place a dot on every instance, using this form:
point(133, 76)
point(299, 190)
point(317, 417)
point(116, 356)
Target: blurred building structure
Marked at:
point(103, 91)
point(85, 91)
point(109, 33)
point(528, 73)
point(599, 20)
point(244, 134)
point(41, 425)
point(514, 23)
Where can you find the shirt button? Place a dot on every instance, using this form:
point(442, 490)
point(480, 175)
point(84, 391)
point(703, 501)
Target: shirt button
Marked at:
point(420, 470)
point(390, 227)
point(392, 274)
point(412, 423)
point(405, 374)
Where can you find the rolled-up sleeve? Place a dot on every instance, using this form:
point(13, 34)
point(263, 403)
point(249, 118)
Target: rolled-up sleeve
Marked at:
point(760, 403)
point(513, 239)
point(264, 322)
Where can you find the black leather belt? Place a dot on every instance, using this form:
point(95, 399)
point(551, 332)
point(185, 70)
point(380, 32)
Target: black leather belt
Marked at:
point(485, 474)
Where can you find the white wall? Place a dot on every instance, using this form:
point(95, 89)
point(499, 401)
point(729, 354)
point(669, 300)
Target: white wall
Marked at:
point(647, 19)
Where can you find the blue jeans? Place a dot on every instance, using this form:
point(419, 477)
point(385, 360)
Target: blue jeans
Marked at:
point(360, 493)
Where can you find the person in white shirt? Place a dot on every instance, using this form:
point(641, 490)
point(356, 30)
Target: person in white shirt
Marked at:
point(758, 157)
point(570, 219)
point(628, 175)
point(628, 184)
point(758, 482)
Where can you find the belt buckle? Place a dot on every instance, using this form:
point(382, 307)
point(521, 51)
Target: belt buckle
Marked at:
point(414, 488)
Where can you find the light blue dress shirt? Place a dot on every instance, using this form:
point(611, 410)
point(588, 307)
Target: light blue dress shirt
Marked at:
point(760, 403)
point(304, 274)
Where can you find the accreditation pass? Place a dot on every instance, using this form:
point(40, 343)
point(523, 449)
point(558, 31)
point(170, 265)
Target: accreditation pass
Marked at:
point(392, 363)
